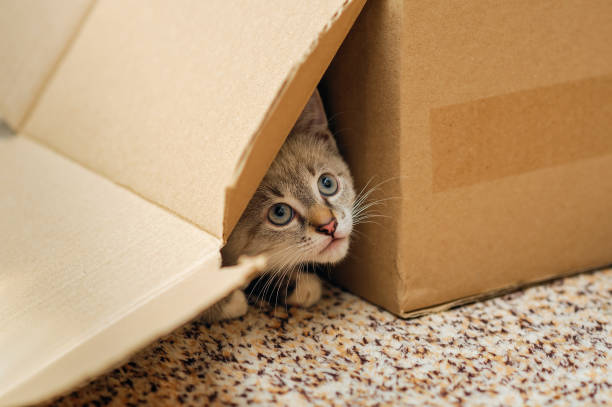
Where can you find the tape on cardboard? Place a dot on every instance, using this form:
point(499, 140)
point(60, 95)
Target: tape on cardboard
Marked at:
point(515, 133)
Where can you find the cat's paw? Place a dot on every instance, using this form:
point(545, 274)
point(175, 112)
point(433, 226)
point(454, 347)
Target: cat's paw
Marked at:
point(308, 289)
point(234, 306)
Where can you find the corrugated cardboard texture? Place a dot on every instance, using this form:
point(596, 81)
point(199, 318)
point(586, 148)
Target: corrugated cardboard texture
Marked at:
point(523, 131)
point(88, 272)
point(33, 34)
point(532, 214)
point(165, 98)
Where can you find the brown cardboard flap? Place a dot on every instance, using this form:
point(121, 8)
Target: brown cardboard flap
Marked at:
point(165, 98)
point(89, 272)
point(33, 36)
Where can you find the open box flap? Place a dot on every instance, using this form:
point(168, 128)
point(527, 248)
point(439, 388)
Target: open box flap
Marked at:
point(172, 101)
point(166, 98)
point(89, 272)
point(34, 34)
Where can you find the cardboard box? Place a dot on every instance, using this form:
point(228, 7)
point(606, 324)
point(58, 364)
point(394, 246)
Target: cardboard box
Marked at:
point(491, 125)
point(144, 130)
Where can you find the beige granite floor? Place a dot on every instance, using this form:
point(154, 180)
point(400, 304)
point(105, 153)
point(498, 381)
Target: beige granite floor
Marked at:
point(546, 345)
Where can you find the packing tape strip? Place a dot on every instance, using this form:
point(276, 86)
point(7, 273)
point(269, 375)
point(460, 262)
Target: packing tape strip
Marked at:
point(510, 134)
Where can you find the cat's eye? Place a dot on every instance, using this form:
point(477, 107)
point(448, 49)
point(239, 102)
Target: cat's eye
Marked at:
point(280, 214)
point(328, 185)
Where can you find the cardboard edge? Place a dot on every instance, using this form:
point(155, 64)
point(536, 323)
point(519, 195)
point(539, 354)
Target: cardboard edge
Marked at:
point(399, 278)
point(284, 111)
point(182, 300)
point(471, 299)
point(365, 111)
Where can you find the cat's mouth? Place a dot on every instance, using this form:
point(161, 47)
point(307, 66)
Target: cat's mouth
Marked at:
point(333, 243)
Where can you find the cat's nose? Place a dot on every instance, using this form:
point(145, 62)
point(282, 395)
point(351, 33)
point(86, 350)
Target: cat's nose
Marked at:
point(323, 220)
point(329, 228)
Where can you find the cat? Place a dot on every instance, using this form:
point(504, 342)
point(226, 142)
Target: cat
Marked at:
point(301, 214)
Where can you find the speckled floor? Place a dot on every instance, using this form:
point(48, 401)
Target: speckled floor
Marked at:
point(547, 345)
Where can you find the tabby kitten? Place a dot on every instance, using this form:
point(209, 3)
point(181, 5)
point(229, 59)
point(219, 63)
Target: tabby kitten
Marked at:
point(301, 214)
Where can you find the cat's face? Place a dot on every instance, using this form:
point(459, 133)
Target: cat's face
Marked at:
point(302, 210)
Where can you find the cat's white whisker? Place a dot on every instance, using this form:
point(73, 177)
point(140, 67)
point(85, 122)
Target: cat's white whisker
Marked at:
point(287, 273)
point(375, 202)
point(270, 275)
point(359, 219)
point(359, 196)
point(287, 259)
point(365, 193)
point(362, 222)
point(277, 286)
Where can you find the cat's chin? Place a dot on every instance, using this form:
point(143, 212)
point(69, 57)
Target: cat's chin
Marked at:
point(334, 251)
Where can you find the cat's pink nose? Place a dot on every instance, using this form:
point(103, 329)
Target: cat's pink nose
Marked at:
point(329, 228)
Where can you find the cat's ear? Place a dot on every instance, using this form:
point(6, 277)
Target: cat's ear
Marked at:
point(313, 122)
point(313, 116)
